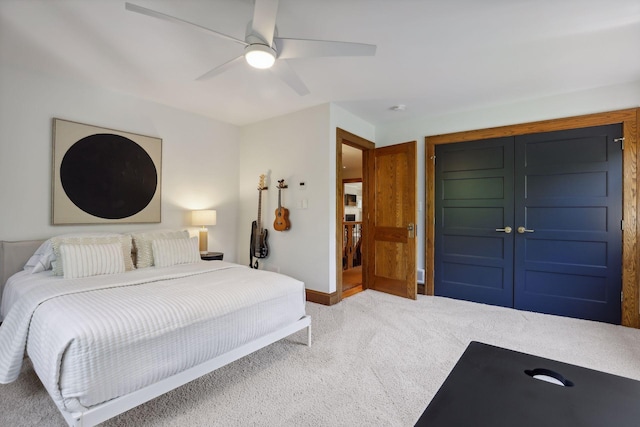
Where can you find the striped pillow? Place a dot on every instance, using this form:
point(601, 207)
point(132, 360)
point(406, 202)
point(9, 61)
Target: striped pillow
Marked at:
point(91, 260)
point(142, 242)
point(90, 239)
point(167, 252)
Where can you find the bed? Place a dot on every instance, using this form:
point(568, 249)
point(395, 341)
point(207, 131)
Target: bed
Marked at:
point(105, 343)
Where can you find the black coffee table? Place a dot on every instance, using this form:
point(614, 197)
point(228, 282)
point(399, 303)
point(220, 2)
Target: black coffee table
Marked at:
point(493, 386)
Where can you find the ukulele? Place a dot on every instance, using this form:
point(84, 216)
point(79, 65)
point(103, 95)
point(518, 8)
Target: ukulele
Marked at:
point(258, 247)
point(281, 222)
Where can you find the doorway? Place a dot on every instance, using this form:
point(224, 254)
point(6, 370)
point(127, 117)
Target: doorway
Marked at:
point(352, 195)
point(388, 244)
point(352, 222)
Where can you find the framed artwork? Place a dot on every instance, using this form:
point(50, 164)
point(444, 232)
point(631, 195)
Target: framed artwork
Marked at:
point(104, 176)
point(350, 200)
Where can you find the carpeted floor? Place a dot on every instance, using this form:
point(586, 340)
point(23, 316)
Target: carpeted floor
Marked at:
point(376, 360)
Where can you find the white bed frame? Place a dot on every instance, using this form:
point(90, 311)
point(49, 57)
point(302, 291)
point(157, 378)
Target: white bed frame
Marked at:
point(13, 255)
point(104, 411)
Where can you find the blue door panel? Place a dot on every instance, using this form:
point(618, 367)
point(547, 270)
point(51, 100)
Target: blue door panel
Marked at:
point(570, 199)
point(478, 217)
point(567, 185)
point(581, 149)
point(482, 276)
point(569, 286)
point(473, 158)
point(475, 282)
point(459, 188)
point(474, 197)
point(488, 248)
point(571, 253)
point(572, 218)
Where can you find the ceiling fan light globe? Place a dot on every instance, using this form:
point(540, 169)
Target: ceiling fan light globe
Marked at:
point(259, 56)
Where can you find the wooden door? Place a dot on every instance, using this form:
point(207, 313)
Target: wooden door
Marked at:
point(474, 221)
point(393, 232)
point(568, 234)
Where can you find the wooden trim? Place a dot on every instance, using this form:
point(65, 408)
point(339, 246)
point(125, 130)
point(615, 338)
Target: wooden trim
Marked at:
point(339, 214)
point(630, 118)
point(598, 119)
point(630, 253)
point(368, 215)
point(348, 138)
point(353, 140)
point(322, 297)
point(430, 221)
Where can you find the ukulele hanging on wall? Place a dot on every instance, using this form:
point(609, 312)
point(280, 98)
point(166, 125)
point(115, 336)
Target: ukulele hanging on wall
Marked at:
point(281, 222)
point(258, 246)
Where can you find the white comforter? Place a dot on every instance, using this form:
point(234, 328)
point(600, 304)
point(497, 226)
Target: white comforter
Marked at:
point(94, 339)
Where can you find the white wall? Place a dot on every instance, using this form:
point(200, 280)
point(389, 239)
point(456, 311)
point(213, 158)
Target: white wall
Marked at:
point(199, 156)
point(572, 104)
point(210, 164)
point(298, 147)
point(295, 148)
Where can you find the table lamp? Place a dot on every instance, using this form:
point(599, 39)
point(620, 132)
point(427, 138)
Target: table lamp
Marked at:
point(203, 218)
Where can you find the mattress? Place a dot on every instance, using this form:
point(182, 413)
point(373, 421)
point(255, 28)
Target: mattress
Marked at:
point(93, 339)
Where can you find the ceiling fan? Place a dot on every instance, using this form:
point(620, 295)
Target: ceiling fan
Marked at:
point(264, 49)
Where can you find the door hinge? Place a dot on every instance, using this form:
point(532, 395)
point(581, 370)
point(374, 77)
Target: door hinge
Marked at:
point(621, 296)
point(622, 224)
point(433, 158)
point(621, 141)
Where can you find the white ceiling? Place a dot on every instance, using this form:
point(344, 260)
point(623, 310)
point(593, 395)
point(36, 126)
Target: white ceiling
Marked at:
point(434, 56)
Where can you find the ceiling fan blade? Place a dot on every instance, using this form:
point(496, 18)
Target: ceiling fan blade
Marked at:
point(144, 11)
point(220, 68)
point(264, 19)
point(283, 70)
point(300, 48)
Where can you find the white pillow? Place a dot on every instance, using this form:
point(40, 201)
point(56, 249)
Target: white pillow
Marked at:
point(91, 238)
point(91, 259)
point(45, 256)
point(41, 259)
point(142, 243)
point(168, 252)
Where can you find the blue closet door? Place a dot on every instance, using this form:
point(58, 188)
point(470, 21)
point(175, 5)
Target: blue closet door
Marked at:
point(561, 195)
point(474, 199)
point(568, 199)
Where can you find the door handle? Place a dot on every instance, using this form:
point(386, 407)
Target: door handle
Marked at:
point(412, 230)
point(505, 230)
point(523, 230)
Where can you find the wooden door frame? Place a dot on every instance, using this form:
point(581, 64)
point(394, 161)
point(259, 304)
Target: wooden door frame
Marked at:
point(347, 138)
point(630, 119)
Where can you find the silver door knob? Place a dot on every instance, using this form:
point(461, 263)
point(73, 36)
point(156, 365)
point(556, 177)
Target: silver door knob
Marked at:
point(523, 230)
point(504, 230)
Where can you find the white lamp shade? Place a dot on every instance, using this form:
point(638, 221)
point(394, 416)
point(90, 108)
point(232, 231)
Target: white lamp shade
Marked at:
point(204, 217)
point(259, 56)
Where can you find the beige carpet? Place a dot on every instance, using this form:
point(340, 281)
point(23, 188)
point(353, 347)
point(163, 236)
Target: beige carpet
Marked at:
point(376, 360)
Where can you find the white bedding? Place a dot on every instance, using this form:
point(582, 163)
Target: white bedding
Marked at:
point(94, 339)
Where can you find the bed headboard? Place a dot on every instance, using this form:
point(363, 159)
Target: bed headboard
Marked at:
point(13, 256)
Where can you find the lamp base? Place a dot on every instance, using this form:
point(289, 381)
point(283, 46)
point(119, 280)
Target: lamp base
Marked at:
point(204, 240)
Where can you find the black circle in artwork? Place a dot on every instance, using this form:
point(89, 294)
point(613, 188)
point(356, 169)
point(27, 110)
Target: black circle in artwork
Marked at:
point(108, 176)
